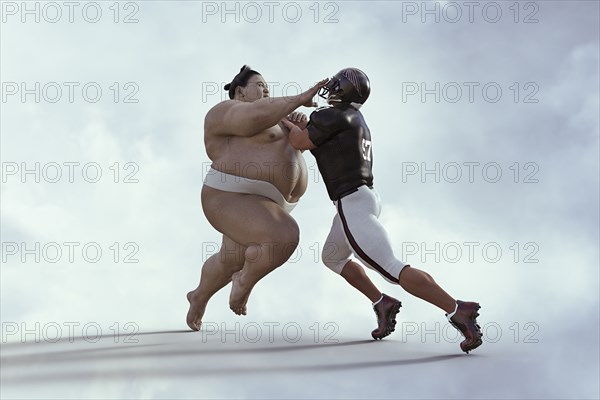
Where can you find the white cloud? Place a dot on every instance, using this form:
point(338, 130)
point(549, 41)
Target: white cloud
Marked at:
point(175, 60)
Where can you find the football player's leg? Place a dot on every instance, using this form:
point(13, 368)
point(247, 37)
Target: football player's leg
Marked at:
point(367, 238)
point(336, 256)
point(371, 244)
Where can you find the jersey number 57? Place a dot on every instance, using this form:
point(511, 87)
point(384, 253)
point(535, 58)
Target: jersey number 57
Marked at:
point(366, 149)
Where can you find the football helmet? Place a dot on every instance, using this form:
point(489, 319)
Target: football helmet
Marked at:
point(350, 85)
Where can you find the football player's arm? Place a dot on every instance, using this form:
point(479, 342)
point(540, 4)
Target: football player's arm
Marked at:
point(299, 138)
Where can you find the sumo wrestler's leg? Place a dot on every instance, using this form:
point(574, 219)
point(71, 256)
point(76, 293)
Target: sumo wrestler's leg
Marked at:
point(269, 234)
point(216, 273)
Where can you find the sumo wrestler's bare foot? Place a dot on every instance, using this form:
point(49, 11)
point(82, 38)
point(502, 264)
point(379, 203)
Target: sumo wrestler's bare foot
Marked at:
point(195, 312)
point(240, 292)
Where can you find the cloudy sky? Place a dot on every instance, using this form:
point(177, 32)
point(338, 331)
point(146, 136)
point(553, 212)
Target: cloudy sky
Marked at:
point(484, 118)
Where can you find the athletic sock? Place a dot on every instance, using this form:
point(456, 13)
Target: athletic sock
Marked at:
point(452, 313)
point(377, 302)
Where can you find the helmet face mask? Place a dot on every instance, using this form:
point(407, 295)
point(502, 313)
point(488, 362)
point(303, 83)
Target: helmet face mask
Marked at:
point(331, 91)
point(350, 86)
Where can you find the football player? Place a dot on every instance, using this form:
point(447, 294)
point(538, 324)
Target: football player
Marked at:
point(340, 140)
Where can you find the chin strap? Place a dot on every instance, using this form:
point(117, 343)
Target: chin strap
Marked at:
point(334, 102)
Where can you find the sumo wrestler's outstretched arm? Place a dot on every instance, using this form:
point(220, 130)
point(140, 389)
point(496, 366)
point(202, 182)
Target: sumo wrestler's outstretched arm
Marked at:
point(250, 118)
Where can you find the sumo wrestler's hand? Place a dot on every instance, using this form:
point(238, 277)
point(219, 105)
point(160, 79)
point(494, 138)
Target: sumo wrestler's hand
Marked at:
point(299, 119)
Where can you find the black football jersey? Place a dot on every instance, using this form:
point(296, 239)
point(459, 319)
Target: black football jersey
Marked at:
point(343, 152)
